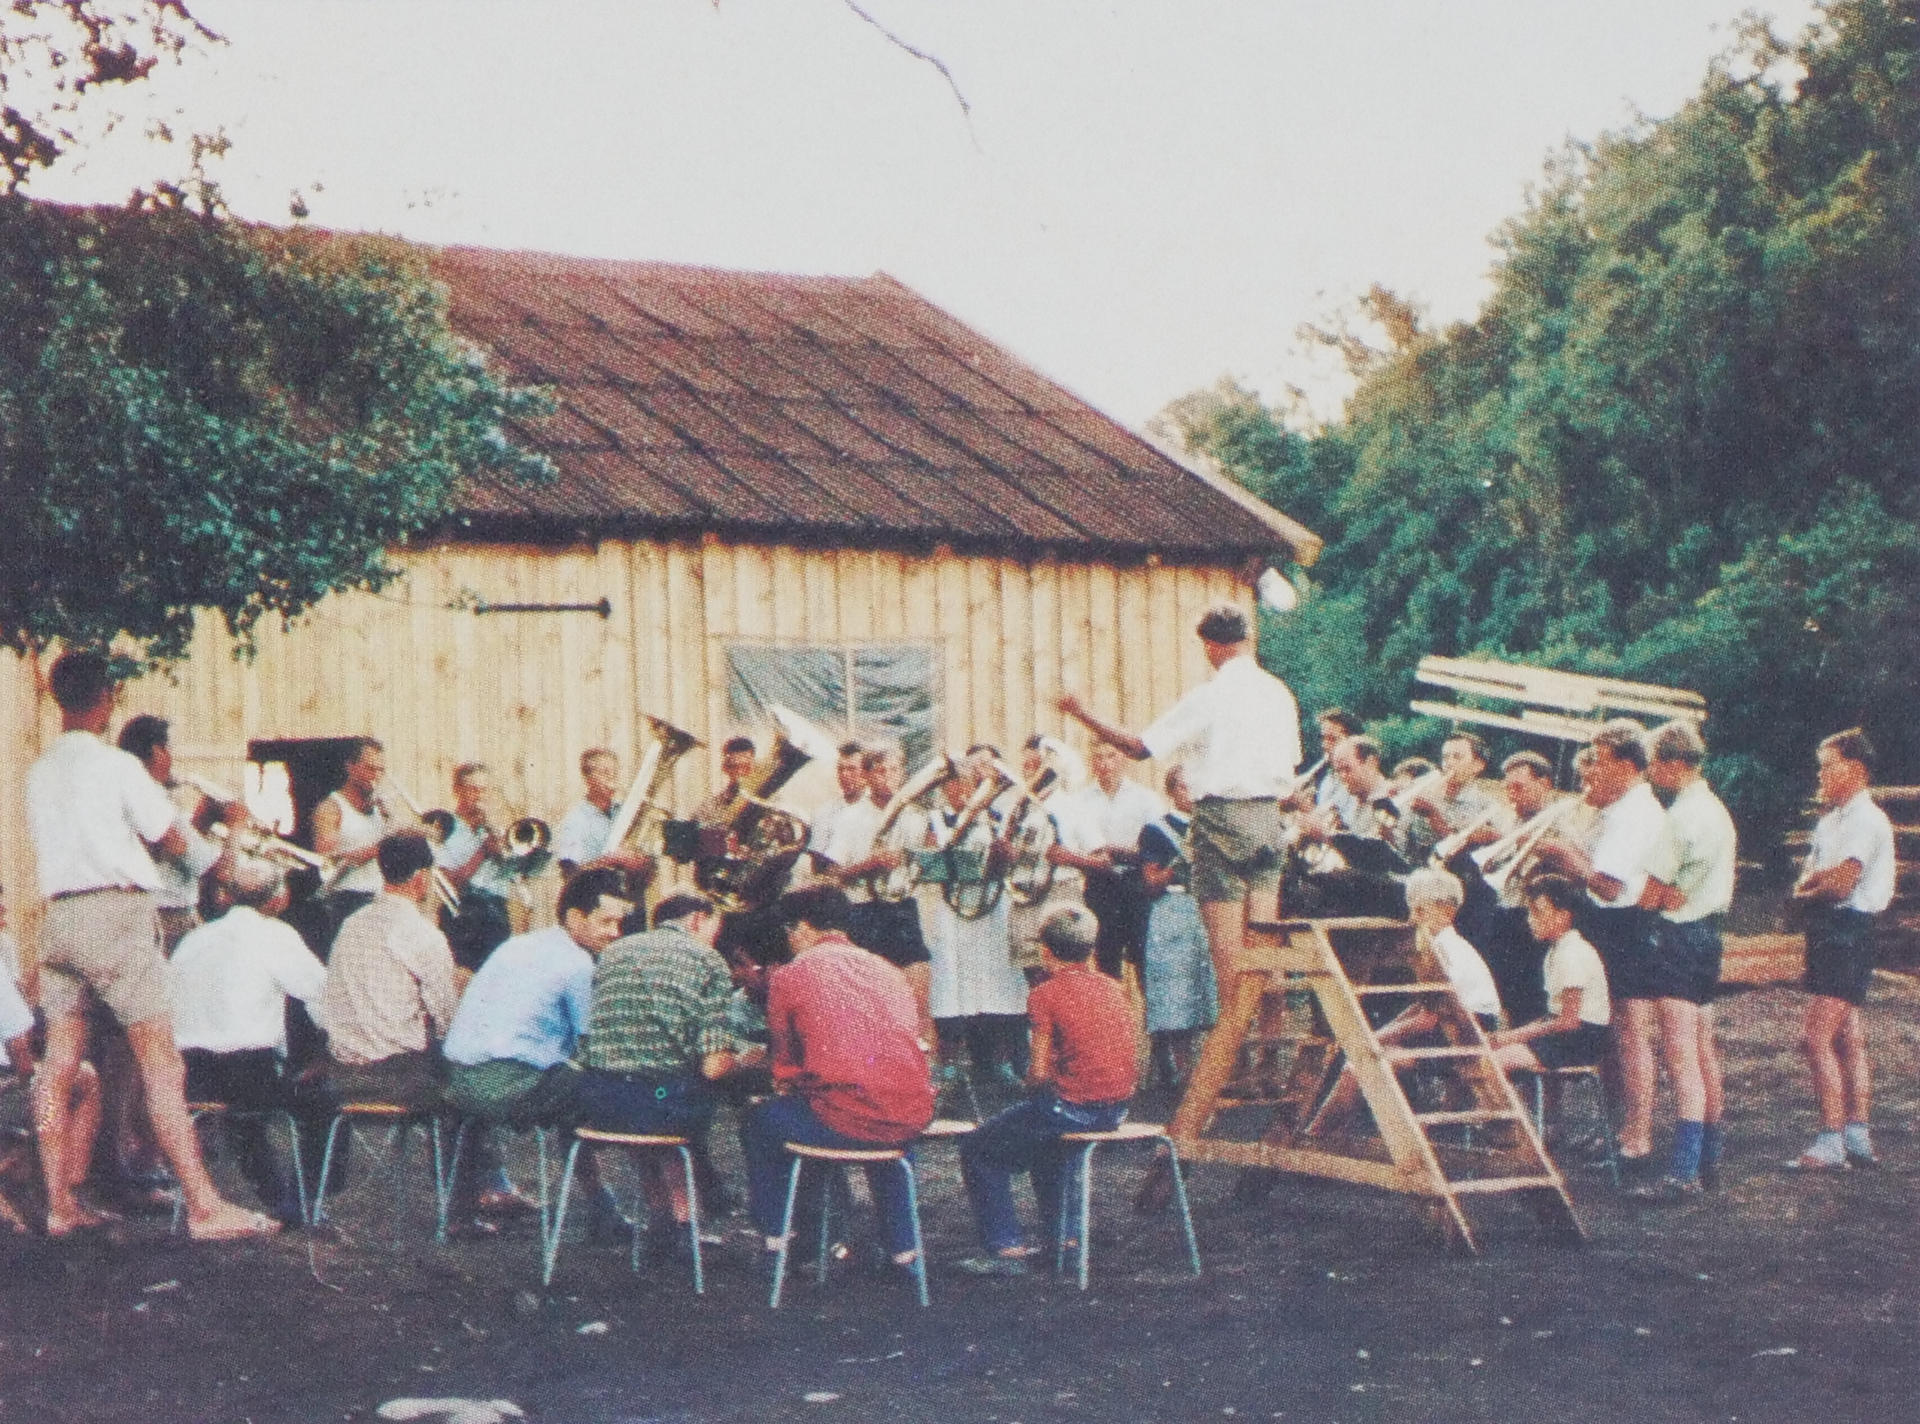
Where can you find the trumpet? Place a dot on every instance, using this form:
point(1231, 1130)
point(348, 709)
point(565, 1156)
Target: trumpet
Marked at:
point(443, 887)
point(251, 840)
point(1452, 844)
point(1400, 802)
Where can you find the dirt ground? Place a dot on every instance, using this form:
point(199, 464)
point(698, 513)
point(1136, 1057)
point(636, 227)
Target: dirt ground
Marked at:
point(1778, 1299)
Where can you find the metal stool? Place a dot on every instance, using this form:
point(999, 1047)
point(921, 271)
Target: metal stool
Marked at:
point(633, 1142)
point(946, 1129)
point(539, 1132)
point(198, 1111)
point(1088, 1142)
point(804, 1153)
point(1585, 1073)
point(401, 1121)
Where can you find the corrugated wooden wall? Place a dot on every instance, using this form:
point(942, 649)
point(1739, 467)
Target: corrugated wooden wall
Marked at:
point(526, 693)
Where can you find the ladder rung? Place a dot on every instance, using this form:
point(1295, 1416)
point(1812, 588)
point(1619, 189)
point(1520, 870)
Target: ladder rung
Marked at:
point(1502, 1184)
point(1409, 1055)
point(1475, 1115)
point(1420, 988)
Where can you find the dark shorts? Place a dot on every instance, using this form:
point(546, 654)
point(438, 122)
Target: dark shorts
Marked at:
point(646, 1103)
point(1625, 940)
point(890, 929)
point(1582, 1048)
point(1687, 960)
point(1840, 953)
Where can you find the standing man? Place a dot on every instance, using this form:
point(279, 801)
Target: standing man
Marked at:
point(1848, 879)
point(1458, 802)
point(347, 828)
point(94, 812)
point(1113, 809)
point(470, 858)
point(890, 928)
point(178, 899)
point(1236, 738)
point(1693, 879)
point(1496, 924)
point(850, 774)
point(736, 765)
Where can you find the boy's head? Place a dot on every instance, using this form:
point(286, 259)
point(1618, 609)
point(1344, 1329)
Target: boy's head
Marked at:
point(1551, 903)
point(1067, 936)
point(1434, 897)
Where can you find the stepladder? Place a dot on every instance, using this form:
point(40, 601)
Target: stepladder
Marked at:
point(1343, 1052)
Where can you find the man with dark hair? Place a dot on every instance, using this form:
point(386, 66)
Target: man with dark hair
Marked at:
point(1848, 880)
point(94, 812)
point(1236, 738)
point(1113, 809)
point(1496, 922)
point(848, 1067)
point(178, 899)
point(860, 857)
point(1360, 880)
point(1457, 802)
point(736, 766)
point(661, 1038)
point(850, 774)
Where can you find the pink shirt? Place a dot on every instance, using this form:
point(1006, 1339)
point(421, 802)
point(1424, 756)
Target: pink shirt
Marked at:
point(1084, 1015)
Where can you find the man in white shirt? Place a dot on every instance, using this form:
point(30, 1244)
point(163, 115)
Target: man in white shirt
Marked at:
point(232, 978)
point(178, 899)
point(862, 859)
point(94, 811)
point(1848, 880)
point(1111, 810)
point(850, 773)
point(1236, 738)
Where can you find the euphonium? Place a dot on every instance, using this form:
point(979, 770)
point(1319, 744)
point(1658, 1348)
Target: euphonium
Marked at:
point(898, 883)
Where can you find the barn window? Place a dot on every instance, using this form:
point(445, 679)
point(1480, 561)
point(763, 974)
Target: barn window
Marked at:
point(847, 689)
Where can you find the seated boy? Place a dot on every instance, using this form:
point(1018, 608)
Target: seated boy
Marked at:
point(1574, 1033)
point(1080, 1079)
point(1434, 897)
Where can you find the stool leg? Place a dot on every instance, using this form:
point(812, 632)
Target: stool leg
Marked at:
point(786, 1232)
point(443, 1179)
point(326, 1170)
point(1606, 1128)
point(919, 1246)
point(1540, 1105)
point(299, 1167)
point(546, 1202)
point(1180, 1195)
point(550, 1253)
point(1086, 1211)
point(693, 1219)
point(829, 1183)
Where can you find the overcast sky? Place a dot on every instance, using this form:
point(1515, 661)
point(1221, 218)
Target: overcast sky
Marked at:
point(1145, 196)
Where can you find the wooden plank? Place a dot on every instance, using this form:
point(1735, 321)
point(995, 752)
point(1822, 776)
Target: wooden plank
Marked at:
point(1103, 639)
point(1136, 658)
point(1306, 1160)
point(988, 703)
point(1598, 689)
point(955, 627)
point(1018, 715)
point(1076, 675)
point(1565, 730)
point(1043, 631)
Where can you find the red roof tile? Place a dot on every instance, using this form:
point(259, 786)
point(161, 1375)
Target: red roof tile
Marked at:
point(831, 410)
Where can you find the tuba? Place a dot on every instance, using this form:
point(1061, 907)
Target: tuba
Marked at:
point(762, 840)
point(669, 744)
point(898, 883)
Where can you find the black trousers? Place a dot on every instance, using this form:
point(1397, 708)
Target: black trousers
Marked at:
point(1120, 902)
point(254, 1079)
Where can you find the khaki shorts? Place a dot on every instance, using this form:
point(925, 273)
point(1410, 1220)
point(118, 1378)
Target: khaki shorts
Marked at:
point(104, 945)
point(1235, 848)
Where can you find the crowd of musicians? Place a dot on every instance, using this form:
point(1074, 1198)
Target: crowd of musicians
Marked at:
point(888, 964)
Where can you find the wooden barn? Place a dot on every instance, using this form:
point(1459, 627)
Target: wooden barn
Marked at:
point(819, 491)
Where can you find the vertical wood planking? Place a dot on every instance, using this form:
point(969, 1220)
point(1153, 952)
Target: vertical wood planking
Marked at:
point(1136, 651)
point(950, 624)
point(1103, 640)
point(1014, 675)
point(1043, 629)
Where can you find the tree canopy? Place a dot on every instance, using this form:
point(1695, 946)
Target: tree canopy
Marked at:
point(1677, 443)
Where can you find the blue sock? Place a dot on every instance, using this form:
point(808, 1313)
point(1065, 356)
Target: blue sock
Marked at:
point(1687, 1140)
point(1828, 1147)
point(1859, 1141)
point(1713, 1144)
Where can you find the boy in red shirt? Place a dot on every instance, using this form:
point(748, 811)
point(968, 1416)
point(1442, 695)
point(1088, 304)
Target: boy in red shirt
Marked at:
point(1081, 1078)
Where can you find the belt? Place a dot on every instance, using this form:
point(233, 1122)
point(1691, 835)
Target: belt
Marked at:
point(97, 890)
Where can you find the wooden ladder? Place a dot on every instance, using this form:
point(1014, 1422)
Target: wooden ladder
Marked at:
point(1308, 994)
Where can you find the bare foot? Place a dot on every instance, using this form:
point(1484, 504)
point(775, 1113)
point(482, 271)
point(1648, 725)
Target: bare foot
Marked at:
point(65, 1224)
point(228, 1222)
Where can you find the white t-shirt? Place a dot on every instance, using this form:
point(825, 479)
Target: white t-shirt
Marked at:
point(854, 837)
point(582, 834)
point(1467, 972)
point(16, 1017)
point(230, 981)
point(1236, 736)
point(93, 809)
point(1858, 831)
point(359, 829)
point(1572, 963)
point(1112, 822)
point(1631, 832)
point(1697, 854)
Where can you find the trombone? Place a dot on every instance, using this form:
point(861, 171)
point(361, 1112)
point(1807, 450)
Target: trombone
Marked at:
point(443, 887)
point(1501, 860)
point(251, 840)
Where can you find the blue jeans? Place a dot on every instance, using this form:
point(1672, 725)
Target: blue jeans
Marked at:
point(764, 1134)
point(1025, 1138)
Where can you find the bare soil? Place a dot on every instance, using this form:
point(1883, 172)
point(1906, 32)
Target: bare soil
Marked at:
point(1779, 1298)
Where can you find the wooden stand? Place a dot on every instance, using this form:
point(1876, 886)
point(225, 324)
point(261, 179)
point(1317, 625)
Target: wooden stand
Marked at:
point(1306, 997)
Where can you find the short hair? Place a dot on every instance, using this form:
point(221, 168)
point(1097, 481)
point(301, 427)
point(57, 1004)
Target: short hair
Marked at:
point(1174, 773)
point(1476, 743)
point(252, 882)
point(822, 906)
point(1558, 891)
point(1223, 623)
point(1413, 766)
point(143, 735)
point(1036, 743)
point(1366, 748)
point(1854, 745)
point(358, 747)
point(1341, 718)
point(403, 855)
point(79, 680)
point(979, 747)
point(1069, 934)
point(1625, 740)
point(735, 745)
point(466, 770)
point(1530, 761)
point(852, 749)
point(1678, 742)
point(1430, 885)
point(585, 891)
point(679, 907)
point(593, 754)
point(880, 752)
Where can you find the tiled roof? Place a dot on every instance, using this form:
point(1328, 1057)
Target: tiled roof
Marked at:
point(818, 409)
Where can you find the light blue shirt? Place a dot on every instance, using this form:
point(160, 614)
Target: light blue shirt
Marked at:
point(490, 878)
point(530, 1001)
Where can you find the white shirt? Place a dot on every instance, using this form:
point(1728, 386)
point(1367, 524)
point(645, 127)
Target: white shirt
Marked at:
point(1631, 832)
point(855, 837)
point(820, 827)
point(16, 1017)
point(1858, 831)
point(1697, 854)
point(92, 809)
point(1467, 972)
point(583, 832)
point(180, 879)
point(1572, 963)
point(1236, 736)
point(491, 878)
point(1114, 821)
point(231, 979)
point(359, 829)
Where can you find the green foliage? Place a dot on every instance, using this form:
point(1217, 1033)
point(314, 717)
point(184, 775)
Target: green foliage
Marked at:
point(199, 414)
point(1677, 442)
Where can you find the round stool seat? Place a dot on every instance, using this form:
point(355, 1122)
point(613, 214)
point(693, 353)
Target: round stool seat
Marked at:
point(202, 1109)
point(1126, 1132)
point(847, 1154)
point(944, 1127)
point(388, 1110)
point(628, 1139)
